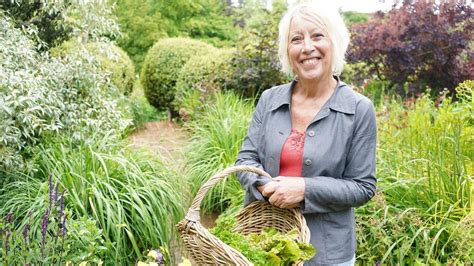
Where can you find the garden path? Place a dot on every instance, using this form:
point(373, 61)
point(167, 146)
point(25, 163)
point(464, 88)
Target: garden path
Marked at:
point(167, 140)
point(164, 138)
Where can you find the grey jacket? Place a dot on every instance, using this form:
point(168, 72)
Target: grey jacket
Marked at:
point(338, 163)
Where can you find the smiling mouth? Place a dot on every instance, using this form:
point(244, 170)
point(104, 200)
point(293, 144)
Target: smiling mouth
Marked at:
point(309, 61)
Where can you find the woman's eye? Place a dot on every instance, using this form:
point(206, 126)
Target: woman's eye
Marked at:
point(318, 35)
point(296, 38)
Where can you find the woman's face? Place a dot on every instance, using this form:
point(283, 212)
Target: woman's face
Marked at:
point(309, 50)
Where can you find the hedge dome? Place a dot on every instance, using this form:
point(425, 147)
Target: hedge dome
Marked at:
point(199, 78)
point(162, 67)
point(111, 58)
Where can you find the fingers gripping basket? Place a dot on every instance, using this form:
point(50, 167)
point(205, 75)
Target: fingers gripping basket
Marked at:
point(206, 249)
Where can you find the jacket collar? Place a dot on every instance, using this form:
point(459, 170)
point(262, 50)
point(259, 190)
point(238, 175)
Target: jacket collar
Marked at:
point(342, 100)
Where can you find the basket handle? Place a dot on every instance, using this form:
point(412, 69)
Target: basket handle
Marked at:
point(193, 212)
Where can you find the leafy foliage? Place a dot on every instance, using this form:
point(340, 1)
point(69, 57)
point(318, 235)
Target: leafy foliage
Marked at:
point(353, 17)
point(200, 19)
point(255, 65)
point(162, 68)
point(145, 22)
point(270, 247)
point(111, 58)
point(420, 42)
point(143, 112)
point(141, 25)
point(56, 21)
point(199, 79)
point(49, 23)
point(43, 96)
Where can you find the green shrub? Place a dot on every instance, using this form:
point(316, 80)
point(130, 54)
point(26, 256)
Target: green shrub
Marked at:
point(217, 137)
point(255, 65)
point(356, 73)
point(111, 58)
point(43, 96)
point(162, 67)
point(199, 78)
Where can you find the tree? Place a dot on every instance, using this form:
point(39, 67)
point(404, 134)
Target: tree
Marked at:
point(141, 26)
point(144, 22)
point(420, 42)
point(49, 23)
point(256, 66)
point(353, 17)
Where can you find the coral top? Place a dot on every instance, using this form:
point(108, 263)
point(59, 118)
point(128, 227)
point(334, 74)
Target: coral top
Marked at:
point(291, 158)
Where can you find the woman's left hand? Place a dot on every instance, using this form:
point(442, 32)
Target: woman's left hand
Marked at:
point(288, 192)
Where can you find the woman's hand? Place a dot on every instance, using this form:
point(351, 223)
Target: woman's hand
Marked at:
point(284, 192)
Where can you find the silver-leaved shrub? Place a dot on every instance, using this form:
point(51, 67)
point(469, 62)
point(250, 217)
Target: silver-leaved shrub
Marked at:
point(43, 96)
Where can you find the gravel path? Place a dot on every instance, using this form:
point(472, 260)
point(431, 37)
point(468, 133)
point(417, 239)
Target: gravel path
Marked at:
point(164, 138)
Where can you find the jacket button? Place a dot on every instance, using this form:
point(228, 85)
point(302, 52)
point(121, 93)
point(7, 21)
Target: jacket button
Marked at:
point(311, 133)
point(308, 162)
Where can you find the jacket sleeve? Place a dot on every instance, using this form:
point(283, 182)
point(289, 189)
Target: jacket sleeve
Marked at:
point(248, 154)
point(325, 194)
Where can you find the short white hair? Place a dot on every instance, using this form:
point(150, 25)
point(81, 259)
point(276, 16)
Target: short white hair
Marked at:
point(334, 25)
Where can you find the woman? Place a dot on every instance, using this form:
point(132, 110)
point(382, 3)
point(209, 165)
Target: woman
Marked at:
point(315, 134)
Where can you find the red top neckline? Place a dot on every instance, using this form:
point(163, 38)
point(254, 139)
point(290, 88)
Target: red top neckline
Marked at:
point(291, 158)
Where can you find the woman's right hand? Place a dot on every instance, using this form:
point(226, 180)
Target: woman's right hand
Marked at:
point(268, 189)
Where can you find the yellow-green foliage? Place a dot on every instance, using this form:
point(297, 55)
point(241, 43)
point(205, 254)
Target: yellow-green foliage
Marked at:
point(162, 67)
point(355, 73)
point(200, 77)
point(111, 58)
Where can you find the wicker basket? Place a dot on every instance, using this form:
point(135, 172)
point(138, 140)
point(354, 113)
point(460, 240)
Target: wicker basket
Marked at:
point(206, 249)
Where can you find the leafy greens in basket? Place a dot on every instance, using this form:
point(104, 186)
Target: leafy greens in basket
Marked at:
point(267, 248)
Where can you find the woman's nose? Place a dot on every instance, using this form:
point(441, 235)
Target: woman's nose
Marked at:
point(308, 46)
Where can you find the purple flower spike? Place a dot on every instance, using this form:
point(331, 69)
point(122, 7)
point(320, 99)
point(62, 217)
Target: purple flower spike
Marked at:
point(159, 257)
point(9, 217)
point(7, 244)
point(64, 226)
point(44, 227)
point(377, 263)
point(25, 233)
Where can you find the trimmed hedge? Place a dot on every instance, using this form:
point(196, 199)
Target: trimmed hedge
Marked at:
point(111, 58)
point(162, 67)
point(201, 77)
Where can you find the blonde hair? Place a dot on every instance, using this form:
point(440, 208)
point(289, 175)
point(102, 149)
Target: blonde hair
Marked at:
point(334, 25)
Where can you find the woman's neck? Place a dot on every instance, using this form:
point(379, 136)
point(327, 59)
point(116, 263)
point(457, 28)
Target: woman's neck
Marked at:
point(316, 88)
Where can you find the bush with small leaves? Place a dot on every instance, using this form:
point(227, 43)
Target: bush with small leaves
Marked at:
point(110, 57)
point(420, 43)
point(201, 77)
point(42, 96)
point(162, 67)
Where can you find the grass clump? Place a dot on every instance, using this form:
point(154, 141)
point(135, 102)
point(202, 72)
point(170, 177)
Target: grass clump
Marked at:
point(423, 211)
point(132, 197)
point(217, 136)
